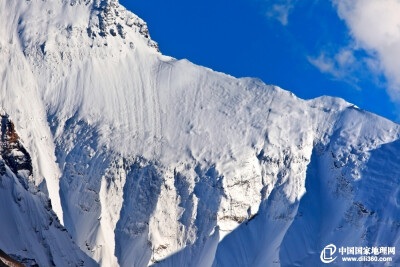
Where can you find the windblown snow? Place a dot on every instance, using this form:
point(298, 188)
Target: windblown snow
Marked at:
point(149, 160)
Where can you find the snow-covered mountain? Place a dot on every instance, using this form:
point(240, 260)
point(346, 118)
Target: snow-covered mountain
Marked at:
point(113, 154)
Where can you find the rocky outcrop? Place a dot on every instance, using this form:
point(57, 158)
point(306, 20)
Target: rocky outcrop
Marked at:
point(109, 18)
point(12, 150)
point(7, 261)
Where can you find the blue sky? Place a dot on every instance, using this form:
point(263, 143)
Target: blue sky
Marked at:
point(310, 47)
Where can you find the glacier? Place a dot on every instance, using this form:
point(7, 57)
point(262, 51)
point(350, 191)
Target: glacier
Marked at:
point(138, 159)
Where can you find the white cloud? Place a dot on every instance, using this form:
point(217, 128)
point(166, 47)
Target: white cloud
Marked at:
point(343, 65)
point(345, 57)
point(280, 10)
point(325, 64)
point(375, 27)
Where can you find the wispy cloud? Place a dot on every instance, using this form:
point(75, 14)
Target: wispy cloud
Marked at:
point(348, 64)
point(280, 10)
point(325, 64)
point(375, 27)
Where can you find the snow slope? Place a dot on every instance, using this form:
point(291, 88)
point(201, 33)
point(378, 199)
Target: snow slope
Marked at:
point(31, 232)
point(151, 160)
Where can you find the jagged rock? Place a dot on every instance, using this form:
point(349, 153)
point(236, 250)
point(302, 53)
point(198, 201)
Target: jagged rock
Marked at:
point(11, 149)
point(7, 261)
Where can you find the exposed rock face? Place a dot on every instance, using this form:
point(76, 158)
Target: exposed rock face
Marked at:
point(109, 18)
point(7, 261)
point(11, 149)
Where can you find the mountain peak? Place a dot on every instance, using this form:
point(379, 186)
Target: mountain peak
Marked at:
point(103, 22)
point(109, 18)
